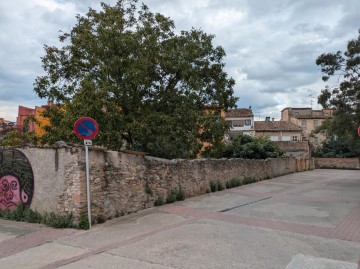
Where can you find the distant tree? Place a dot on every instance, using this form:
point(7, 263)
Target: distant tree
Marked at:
point(246, 147)
point(144, 84)
point(344, 97)
point(337, 147)
point(17, 138)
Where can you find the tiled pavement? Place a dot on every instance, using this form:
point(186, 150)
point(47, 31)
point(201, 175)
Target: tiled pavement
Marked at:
point(323, 204)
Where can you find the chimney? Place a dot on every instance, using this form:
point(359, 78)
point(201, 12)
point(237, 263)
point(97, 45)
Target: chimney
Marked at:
point(267, 119)
point(272, 119)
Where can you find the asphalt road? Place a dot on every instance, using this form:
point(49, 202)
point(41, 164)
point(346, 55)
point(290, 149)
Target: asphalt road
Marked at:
point(308, 220)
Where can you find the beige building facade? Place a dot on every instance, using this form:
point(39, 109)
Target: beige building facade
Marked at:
point(241, 121)
point(308, 120)
point(278, 130)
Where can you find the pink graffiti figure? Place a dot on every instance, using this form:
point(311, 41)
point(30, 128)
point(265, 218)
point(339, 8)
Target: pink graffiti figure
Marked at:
point(10, 193)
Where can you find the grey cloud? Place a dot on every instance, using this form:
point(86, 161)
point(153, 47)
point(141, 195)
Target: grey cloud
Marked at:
point(271, 46)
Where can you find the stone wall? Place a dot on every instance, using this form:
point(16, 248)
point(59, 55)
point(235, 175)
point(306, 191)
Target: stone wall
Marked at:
point(120, 182)
point(338, 163)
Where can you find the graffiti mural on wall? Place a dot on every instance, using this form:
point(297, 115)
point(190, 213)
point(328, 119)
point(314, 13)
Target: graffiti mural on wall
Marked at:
point(16, 179)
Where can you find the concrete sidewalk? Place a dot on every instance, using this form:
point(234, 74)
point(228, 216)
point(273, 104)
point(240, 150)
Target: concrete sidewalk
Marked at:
point(308, 220)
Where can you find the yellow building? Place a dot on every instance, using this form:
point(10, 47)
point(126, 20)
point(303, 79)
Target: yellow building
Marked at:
point(41, 120)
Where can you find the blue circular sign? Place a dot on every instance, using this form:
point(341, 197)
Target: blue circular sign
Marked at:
point(86, 128)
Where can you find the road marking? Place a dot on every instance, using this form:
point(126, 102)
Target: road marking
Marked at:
point(246, 204)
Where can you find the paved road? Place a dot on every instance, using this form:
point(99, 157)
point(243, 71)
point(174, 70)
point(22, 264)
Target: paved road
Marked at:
point(308, 220)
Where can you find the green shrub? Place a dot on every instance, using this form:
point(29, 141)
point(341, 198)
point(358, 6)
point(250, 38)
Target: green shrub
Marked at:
point(180, 196)
point(220, 186)
point(246, 147)
point(83, 223)
point(58, 221)
point(248, 180)
point(214, 186)
point(100, 219)
point(148, 189)
point(24, 213)
point(159, 201)
point(171, 197)
point(232, 183)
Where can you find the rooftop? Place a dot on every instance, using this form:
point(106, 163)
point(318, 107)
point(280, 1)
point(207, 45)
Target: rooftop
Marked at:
point(273, 126)
point(239, 112)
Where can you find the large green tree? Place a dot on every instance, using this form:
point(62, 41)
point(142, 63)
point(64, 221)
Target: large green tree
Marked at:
point(345, 96)
point(146, 85)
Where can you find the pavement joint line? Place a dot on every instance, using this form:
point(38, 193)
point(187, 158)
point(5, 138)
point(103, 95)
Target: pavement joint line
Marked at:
point(146, 261)
point(246, 204)
point(115, 245)
point(15, 245)
point(305, 229)
point(296, 197)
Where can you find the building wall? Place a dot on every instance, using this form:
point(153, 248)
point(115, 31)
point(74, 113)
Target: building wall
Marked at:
point(294, 146)
point(292, 114)
point(23, 113)
point(281, 136)
point(119, 180)
point(42, 121)
point(338, 163)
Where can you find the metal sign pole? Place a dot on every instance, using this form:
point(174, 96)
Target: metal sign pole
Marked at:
point(87, 143)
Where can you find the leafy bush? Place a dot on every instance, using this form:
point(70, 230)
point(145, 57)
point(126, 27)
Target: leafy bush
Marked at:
point(232, 183)
point(84, 223)
point(248, 180)
point(180, 196)
point(18, 139)
point(342, 147)
point(220, 186)
point(171, 197)
point(216, 185)
point(246, 147)
point(148, 189)
point(159, 201)
point(24, 213)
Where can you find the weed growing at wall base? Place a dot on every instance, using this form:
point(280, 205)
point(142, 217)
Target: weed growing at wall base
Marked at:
point(216, 185)
point(159, 201)
point(249, 180)
point(25, 214)
point(232, 183)
point(148, 189)
point(174, 195)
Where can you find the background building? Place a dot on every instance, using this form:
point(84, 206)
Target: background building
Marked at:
point(241, 121)
point(308, 120)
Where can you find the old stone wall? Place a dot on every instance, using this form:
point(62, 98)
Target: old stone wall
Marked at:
point(338, 163)
point(122, 183)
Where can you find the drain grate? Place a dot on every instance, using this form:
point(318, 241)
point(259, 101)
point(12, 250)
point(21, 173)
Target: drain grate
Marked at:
point(249, 203)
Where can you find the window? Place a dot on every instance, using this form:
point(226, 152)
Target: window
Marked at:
point(286, 138)
point(274, 138)
point(316, 123)
point(295, 138)
point(238, 123)
point(247, 122)
point(303, 124)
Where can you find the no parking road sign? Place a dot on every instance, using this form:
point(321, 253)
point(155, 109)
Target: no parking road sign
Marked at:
point(86, 128)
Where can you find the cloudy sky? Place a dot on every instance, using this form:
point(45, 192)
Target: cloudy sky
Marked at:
point(271, 45)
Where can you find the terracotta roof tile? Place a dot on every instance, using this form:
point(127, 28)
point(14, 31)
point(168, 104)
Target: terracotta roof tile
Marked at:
point(239, 112)
point(275, 126)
